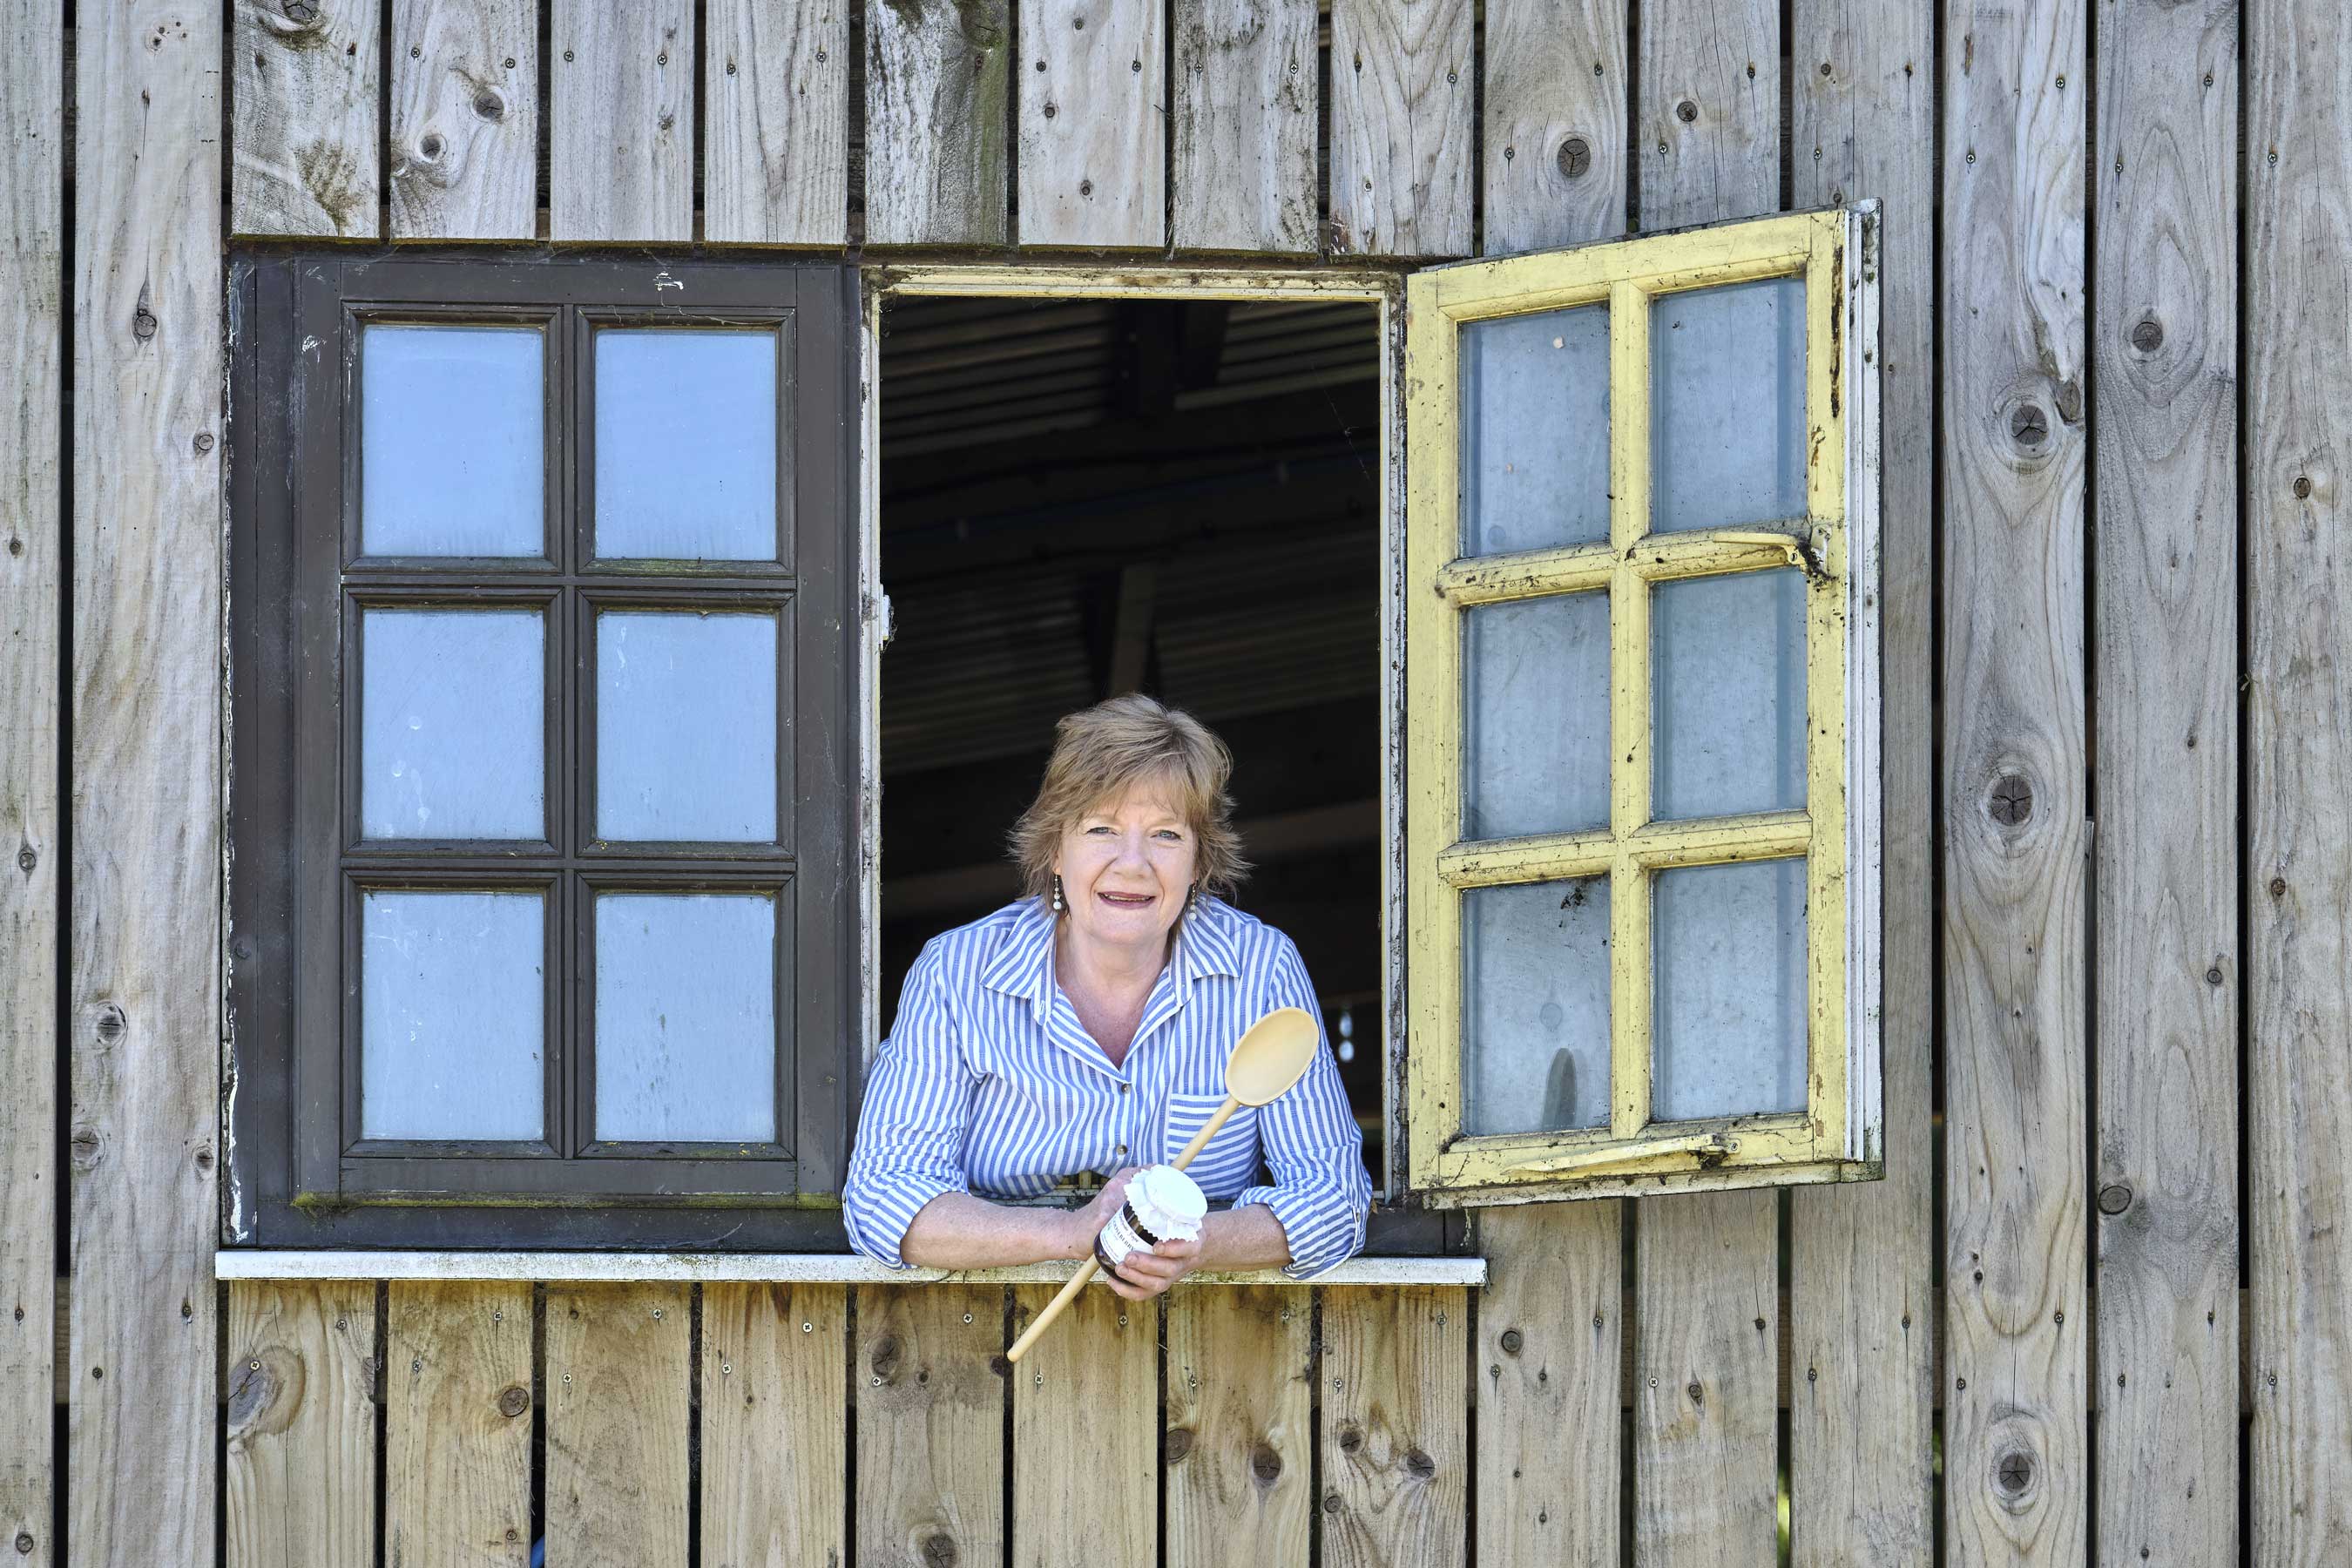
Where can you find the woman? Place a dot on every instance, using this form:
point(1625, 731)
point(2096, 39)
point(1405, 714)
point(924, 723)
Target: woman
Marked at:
point(1085, 1026)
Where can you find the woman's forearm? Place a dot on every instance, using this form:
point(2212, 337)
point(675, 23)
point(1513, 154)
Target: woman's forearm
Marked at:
point(957, 1230)
point(1246, 1237)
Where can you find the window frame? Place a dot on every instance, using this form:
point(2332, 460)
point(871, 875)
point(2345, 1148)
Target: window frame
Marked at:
point(299, 1172)
point(1836, 1137)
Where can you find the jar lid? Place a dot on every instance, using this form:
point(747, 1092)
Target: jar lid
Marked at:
point(1171, 1191)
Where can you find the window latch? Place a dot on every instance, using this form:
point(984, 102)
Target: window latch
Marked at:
point(1809, 551)
point(1694, 1150)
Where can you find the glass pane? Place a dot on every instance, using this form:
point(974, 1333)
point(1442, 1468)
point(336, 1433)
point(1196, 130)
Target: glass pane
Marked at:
point(686, 726)
point(1727, 694)
point(1731, 1027)
point(453, 426)
point(1535, 1011)
point(452, 988)
point(1535, 431)
point(1535, 716)
point(685, 445)
point(1728, 366)
point(686, 1017)
point(452, 721)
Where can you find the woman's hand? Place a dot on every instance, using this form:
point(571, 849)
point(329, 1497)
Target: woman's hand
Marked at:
point(1144, 1274)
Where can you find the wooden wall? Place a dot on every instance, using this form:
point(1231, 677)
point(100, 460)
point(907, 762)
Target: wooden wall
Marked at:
point(2101, 1309)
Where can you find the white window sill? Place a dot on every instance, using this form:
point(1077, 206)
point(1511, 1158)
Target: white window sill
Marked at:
point(765, 1267)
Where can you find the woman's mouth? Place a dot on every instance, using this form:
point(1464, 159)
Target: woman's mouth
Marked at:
point(1126, 901)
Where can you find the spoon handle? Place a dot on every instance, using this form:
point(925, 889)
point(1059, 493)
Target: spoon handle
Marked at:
point(1208, 1130)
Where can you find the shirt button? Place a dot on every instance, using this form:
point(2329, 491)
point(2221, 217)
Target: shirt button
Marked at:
point(1122, 1089)
point(1122, 1148)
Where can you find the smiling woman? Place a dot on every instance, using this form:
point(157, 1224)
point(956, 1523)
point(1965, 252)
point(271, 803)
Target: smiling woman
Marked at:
point(1084, 1027)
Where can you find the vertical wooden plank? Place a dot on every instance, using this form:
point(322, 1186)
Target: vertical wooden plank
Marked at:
point(1548, 1377)
point(1555, 142)
point(2165, 347)
point(937, 106)
point(1402, 125)
point(930, 1426)
point(775, 1448)
point(1709, 140)
point(305, 137)
point(616, 1425)
point(145, 939)
point(1241, 1366)
point(1247, 99)
point(1395, 1440)
point(1094, 123)
point(32, 593)
point(2016, 1447)
point(2298, 412)
point(1862, 1318)
point(300, 1474)
point(456, 1436)
point(1086, 1433)
point(1706, 1307)
point(1705, 1364)
point(621, 120)
point(465, 120)
point(775, 122)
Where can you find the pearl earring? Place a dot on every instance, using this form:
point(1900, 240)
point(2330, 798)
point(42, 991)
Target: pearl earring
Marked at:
point(1059, 904)
point(1192, 899)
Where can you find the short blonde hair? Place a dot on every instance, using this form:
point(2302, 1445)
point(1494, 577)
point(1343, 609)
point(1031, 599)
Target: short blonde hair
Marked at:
point(1101, 753)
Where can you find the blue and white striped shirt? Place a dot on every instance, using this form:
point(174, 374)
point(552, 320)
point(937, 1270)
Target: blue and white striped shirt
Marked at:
point(989, 1084)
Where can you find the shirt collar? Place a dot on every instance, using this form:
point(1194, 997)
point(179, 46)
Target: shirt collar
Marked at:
point(1205, 945)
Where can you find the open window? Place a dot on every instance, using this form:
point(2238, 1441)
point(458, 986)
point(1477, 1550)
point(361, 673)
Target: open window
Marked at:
point(1642, 720)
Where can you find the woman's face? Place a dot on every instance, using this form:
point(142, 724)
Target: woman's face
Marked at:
point(1125, 867)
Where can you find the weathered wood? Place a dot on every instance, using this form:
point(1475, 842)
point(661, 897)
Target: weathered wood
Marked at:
point(1705, 1316)
point(1705, 1329)
point(930, 1426)
point(1247, 97)
point(1402, 78)
point(300, 1467)
point(1708, 142)
point(32, 593)
point(1862, 1316)
point(1086, 1433)
point(1093, 123)
point(1548, 1375)
point(2165, 349)
point(621, 120)
point(1241, 1366)
point(305, 137)
point(774, 1448)
point(1396, 1451)
point(775, 122)
point(457, 1429)
point(144, 990)
point(617, 1423)
point(1555, 142)
point(2016, 1444)
point(465, 120)
point(938, 111)
point(2298, 414)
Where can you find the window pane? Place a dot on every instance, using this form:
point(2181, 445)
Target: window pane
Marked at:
point(1728, 366)
point(1535, 1010)
point(452, 719)
point(451, 1021)
point(1535, 431)
point(685, 1018)
point(1730, 1027)
point(685, 445)
point(686, 726)
point(452, 437)
point(1727, 693)
point(1535, 716)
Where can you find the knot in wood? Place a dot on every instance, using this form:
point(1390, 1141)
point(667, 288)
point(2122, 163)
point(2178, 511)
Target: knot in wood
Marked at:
point(2278, 887)
point(27, 859)
point(1512, 1342)
point(489, 105)
point(112, 1021)
point(1687, 112)
point(430, 147)
point(2301, 487)
point(1330, 1502)
point(204, 442)
point(301, 13)
point(1265, 1465)
point(1575, 157)
point(2029, 426)
point(143, 324)
point(1176, 1444)
point(24, 1543)
point(513, 1400)
point(1697, 1394)
point(2015, 1472)
point(2147, 335)
point(1352, 1437)
point(939, 1550)
point(885, 1356)
point(1420, 1465)
point(2114, 1197)
point(2013, 800)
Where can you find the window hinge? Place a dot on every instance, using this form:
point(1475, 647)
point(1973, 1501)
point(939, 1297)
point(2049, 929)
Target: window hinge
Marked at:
point(1696, 1151)
point(878, 610)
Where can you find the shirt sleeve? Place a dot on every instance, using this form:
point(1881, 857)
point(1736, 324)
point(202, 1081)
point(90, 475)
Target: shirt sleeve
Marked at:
point(1313, 1148)
point(910, 1135)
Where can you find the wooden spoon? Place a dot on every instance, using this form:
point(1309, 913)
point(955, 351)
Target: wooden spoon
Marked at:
point(1272, 1054)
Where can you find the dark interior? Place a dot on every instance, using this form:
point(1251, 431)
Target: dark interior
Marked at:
point(1081, 498)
